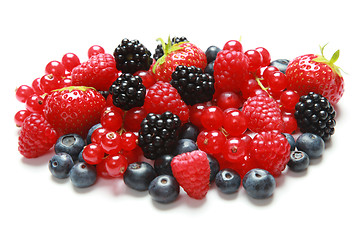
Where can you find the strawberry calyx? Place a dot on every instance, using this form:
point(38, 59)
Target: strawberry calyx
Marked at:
point(168, 48)
point(331, 62)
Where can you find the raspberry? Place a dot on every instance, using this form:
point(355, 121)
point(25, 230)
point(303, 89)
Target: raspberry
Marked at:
point(162, 97)
point(36, 136)
point(98, 72)
point(192, 171)
point(263, 114)
point(271, 151)
point(230, 71)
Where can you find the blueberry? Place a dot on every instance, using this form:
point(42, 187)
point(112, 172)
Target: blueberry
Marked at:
point(310, 143)
point(60, 165)
point(214, 167)
point(90, 132)
point(162, 165)
point(211, 53)
point(71, 144)
point(299, 161)
point(280, 64)
point(184, 145)
point(164, 189)
point(189, 131)
point(210, 68)
point(291, 140)
point(228, 181)
point(139, 175)
point(80, 156)
point(259, 183)
point(83, 175)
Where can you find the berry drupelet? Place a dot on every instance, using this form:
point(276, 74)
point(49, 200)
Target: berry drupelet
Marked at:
point(128, 91)
point(132, 56)
point(158, 134)
point(193, 85)
point(159, 51)
point(315, 114)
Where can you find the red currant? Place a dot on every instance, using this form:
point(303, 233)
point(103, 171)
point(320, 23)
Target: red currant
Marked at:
point(236, 148)
point(269, 71)
point(111, 120)
point(249, 87)
point(148, 78)
point(98, 134)
point(277, 81)
point(55, 68)
point(195, 114)
point(212, 118)
point(211, 142)
point(49, 82)
point(111, 142)
point(228, 100)
point(116, 165)
point(235, 122)
point(133, 119)
point(93, 153)
point(233, 45)
point(266, 59)
point(128, 141)
point(24, 92)
point(20, 117)
point(64, 82)
point(255, 60)
point(134, 155)
point(37, 87)
point(288, 99)
point(70, 60)
point(290, 123)
point(35, 103)
point(94, 50)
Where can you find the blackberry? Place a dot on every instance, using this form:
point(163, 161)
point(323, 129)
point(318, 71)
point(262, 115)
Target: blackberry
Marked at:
point(158, 134)
point(315, 114)
point(128, 91)
point(159, 51)
point(193, 85)
point(132, 56)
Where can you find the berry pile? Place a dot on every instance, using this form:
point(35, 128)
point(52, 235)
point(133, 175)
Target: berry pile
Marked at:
point(184, 120)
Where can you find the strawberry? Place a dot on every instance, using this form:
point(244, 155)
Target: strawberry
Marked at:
point(192, 171)
point(74, 109)
point(36, 137)
point(183, 53)
point(313, 73)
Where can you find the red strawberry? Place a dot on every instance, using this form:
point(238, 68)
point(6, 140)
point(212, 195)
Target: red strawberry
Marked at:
point(313, 73)
point(184, 53)
point(192, 171)
point(36, 136)
point(74, 109)
point(98, 72)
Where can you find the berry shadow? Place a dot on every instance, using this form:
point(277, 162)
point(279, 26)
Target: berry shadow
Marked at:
point(297, 174)
point(316, 161)
point(116, 185)
point(39, 161)
point(83, 190)
point(260, 202)
point(228, 197)
point(168, 206)
point(59, 180)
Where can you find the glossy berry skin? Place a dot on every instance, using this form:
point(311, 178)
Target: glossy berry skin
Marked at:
point(192, 171)
point(94, 50)
point(255, 60)
point(83, 175)
point(55, 68)
point(228, 100)
point(195, 114)
point(111, 143)
point(91, 131)
point(271, 151)
point(35, 103)
point(20, 117)
point(184, 145)
point(71, 144)
point(236, 148)
point(162, 165)
point(139, 175)
point(259, 183)
point(36, 137)
point(211, 142)
point(24, 92)
point(288, 99)
point(299, 161)
point(70, 60)
point(49, 82)
point(189, 131)
point(312, 144)
point(233, 45)
point(60, 165)
point(291, 140)
point(116, 165)
point(228, 181)
point(133, 119)
point(148, 77)
point(266, 58)
point(277, 81)
point(212, 118)
point(111, 120)
point(93, 154)
point(211, 53)
point(235, 122)
point(128, 141)
point(164, 189)
point(306, 75)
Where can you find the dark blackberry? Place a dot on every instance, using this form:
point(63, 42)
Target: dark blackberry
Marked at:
point(128, 91)
point(193, 85)
point(132, 56)
point(315, 114)
point(159, 51)
point(158, 134)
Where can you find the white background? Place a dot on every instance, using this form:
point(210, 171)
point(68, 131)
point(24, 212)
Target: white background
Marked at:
point(322, 202)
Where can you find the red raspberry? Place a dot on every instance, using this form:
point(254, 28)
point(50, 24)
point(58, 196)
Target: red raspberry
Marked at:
point(36, 136)
point(271, 151)
point(98, 72)
point(263, 114)
point(230, 71)
point(192, 171)
point(162, 97)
